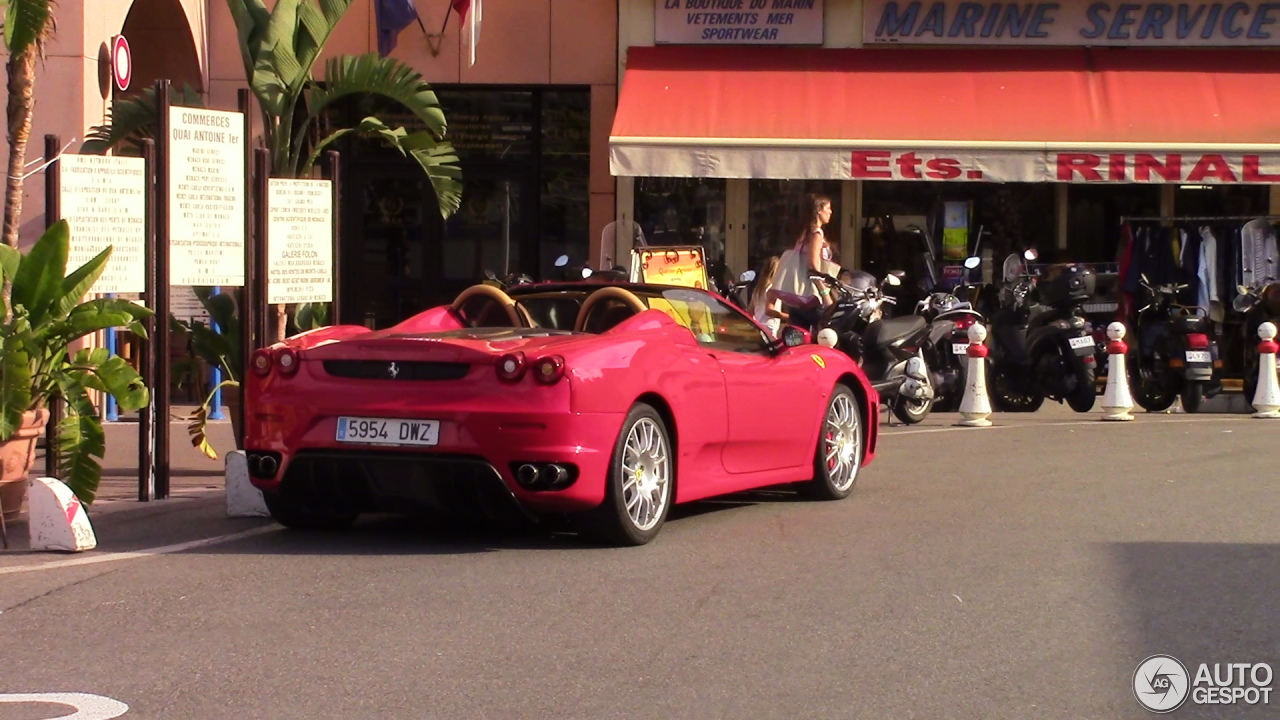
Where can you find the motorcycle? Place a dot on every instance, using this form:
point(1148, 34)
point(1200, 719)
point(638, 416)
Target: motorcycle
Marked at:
point(571, 272)
point(890, 351)
point(949, 320)
point(740, 292)
point(1259, 305)
point(1171, 354)
point(1040, 344)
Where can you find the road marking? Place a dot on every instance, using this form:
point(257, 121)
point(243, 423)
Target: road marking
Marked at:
point(888, 433)
point(136, 554)
point(88, 707)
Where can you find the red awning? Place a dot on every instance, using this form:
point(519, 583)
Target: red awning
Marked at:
point(1079, 114)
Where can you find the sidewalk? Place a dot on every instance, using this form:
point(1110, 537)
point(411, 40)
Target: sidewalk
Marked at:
point(196, 485)
point(190, 471)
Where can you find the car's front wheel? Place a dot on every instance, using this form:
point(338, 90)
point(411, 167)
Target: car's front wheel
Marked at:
point(298, 516)
point(839, 453)
point(639, 487)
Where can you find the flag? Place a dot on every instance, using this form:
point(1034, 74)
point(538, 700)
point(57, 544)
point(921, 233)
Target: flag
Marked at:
point(392, 16)
point(469, 13)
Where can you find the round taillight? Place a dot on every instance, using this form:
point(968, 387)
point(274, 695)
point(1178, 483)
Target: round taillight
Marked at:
point(549, 369)
point(262, 362)
point(288, 361)
point(511, 366)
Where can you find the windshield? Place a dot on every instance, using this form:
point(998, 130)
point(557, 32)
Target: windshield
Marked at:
point(712, 322)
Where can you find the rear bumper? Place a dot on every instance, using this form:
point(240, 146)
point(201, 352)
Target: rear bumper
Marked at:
point(478, 452)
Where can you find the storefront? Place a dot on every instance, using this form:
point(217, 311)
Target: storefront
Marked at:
point(944, 127)
point(530, 119)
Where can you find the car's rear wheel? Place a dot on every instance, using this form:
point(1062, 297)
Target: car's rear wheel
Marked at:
point(639, 487)
point(838, 457)
point(298, 516)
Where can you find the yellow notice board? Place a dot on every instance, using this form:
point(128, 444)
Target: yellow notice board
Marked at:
point(683, 266)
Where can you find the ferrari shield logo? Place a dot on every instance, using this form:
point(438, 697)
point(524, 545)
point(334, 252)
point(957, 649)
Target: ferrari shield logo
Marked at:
point(817, 360)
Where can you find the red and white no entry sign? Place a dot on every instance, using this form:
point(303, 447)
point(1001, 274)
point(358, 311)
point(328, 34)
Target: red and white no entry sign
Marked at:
point(121, 62)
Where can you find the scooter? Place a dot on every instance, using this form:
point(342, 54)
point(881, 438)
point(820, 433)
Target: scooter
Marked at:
point(946, 351)
point(566, 271)
point(1040, 344)
point(740, 292)
point(1171, 354)
point(1259, 305)
point(890, 351)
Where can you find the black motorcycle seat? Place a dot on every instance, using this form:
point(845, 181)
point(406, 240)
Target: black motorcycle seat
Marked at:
point(887, 332)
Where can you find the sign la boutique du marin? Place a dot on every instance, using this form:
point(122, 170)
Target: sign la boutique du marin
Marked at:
point(958, 22)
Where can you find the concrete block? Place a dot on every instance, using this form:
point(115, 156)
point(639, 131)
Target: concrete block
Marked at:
point(58, 520)
point(243, 499)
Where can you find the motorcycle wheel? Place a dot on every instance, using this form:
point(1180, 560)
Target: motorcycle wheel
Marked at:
point(911, 411)
point(1192, 396)
point(1147, 393)
point(1250, 382)
point(1082, 398)
point(1004, 399)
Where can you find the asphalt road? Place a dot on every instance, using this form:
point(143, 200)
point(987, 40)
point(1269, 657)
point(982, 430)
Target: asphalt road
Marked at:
point(1021, 571)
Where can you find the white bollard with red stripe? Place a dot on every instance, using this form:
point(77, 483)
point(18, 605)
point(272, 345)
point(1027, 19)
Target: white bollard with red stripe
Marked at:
point(58, 520)
point(975, 406)
point(243, 499)
point(1117, 401)
point(1266, 399)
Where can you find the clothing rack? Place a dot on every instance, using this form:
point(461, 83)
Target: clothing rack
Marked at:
point(1193, 218)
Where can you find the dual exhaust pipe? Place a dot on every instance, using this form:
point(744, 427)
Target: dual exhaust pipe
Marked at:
point(545, 476)
point(263, 465)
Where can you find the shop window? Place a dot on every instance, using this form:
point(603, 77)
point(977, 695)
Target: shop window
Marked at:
point(564, 178)
point(1216, 200)
point(1094, 212)
point(525, 159)
point(776, 210)
point(903, 225)
point(682, 211)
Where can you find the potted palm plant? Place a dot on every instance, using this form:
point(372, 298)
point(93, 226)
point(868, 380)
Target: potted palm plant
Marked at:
point(45, 315)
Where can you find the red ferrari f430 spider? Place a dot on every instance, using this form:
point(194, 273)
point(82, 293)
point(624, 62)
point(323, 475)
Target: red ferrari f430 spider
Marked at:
point(607, 403)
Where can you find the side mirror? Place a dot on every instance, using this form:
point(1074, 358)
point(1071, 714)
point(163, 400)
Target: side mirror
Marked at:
point(1242, 303)
point(793, 336)
point(892, 280)
point(972, 262)
point(1031, 254)
point(586, 273)
point(747, 276)
point(562, 261)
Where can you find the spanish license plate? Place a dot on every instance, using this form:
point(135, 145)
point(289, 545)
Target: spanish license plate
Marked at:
point(959, 348)
point(1080, 343)
point(388, 431)
point(1198, 356)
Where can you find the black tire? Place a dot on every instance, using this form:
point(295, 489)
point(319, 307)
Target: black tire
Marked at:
point(1004, 399)
point(297, 516)
point(1192, 396)
point(612, 522)
point(911, 411)
point(1147, 392)
point(843, 416)
point(1251, 382)
point(1082, 398)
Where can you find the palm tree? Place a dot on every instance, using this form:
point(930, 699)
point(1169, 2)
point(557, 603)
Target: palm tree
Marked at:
point(28, 24)
point(280, 48)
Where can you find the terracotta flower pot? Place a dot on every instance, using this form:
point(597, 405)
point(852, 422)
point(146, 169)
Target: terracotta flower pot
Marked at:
point(17, 454)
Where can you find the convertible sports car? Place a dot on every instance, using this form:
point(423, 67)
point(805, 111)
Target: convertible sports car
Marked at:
point(603, 402)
